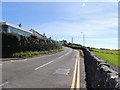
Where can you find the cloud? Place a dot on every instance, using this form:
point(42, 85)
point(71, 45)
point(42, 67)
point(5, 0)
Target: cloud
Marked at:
point(90, 11)
point(98, 33)
point(90, 28)
point(98, 21)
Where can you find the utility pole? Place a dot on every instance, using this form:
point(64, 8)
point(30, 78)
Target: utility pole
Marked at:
point(83, 38)
point(72, 40)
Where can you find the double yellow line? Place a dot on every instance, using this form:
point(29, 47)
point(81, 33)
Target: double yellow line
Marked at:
point(76, 75)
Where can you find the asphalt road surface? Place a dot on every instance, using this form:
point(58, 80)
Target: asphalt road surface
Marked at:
point(50, 71)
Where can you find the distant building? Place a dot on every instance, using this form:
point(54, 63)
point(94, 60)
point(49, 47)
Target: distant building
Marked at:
point(7, 27)
point(36, 33)
point(63, 42)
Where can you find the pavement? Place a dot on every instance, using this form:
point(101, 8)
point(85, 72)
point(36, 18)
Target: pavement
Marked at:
point(50, 71)
point(9, 59)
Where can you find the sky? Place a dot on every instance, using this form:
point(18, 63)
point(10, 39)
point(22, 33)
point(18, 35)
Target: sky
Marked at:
point(63, 20)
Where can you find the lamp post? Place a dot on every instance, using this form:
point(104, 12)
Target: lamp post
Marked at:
point(83, 38)
point(72, 40)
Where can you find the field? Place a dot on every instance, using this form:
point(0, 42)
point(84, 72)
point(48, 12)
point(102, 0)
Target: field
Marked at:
point(106, 51)
point(110, 56)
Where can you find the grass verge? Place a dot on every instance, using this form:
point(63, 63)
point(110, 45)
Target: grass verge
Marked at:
point(81, 52)
point(29, 54)
point(111, 58)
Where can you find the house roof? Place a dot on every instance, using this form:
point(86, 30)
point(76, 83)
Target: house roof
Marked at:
point(17, 27)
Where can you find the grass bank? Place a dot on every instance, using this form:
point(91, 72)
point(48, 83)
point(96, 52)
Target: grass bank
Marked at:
point(111, 58)
point(29, 54)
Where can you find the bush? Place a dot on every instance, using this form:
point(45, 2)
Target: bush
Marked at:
point(12, 43)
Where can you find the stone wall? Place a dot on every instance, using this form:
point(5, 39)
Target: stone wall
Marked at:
point(98, 72)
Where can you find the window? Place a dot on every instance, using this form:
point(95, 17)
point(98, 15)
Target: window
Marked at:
point(15, 30)
point(0, 29)
point(5, 29)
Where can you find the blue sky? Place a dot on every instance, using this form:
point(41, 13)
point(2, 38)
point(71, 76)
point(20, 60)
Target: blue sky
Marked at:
point(64, 20)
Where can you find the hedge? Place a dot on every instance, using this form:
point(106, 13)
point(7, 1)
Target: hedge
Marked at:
point(12, 43)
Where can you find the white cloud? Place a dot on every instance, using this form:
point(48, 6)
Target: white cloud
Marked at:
point(99, 24)
point(90, 11)
point(98, 33)
point(90, 28)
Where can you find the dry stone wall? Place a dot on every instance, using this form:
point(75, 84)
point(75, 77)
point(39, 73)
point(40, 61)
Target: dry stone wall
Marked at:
point(98, 72)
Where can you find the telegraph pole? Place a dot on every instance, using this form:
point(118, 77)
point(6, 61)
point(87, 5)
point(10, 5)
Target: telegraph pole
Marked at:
point(83, 38)
point(72, 40)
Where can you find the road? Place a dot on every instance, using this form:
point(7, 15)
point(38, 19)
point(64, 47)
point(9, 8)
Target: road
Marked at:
point(50, 71)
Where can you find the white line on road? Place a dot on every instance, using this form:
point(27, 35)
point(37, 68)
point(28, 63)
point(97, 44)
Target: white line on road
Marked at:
point(52, 61)
point(68, 52)
point(64, 54)
point(4, 84)
point(43, 65)
point(60, 56)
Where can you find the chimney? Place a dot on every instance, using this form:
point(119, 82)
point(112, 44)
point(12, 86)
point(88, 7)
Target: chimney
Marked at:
point(20, 25)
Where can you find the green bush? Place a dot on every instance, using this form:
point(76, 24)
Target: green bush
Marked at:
point(12, 43)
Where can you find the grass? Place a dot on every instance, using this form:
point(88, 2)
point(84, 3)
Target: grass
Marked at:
point(29, 54)
point(111, 58)
point(106, 51)
point(81, 52)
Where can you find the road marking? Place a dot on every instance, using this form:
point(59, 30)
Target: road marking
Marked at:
point(74, 75)
point(68, 52)
point(43, 65)
point(64, 55)
point(52, 61)
point(60, 56)
point(78, 74)
point(4, 84)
